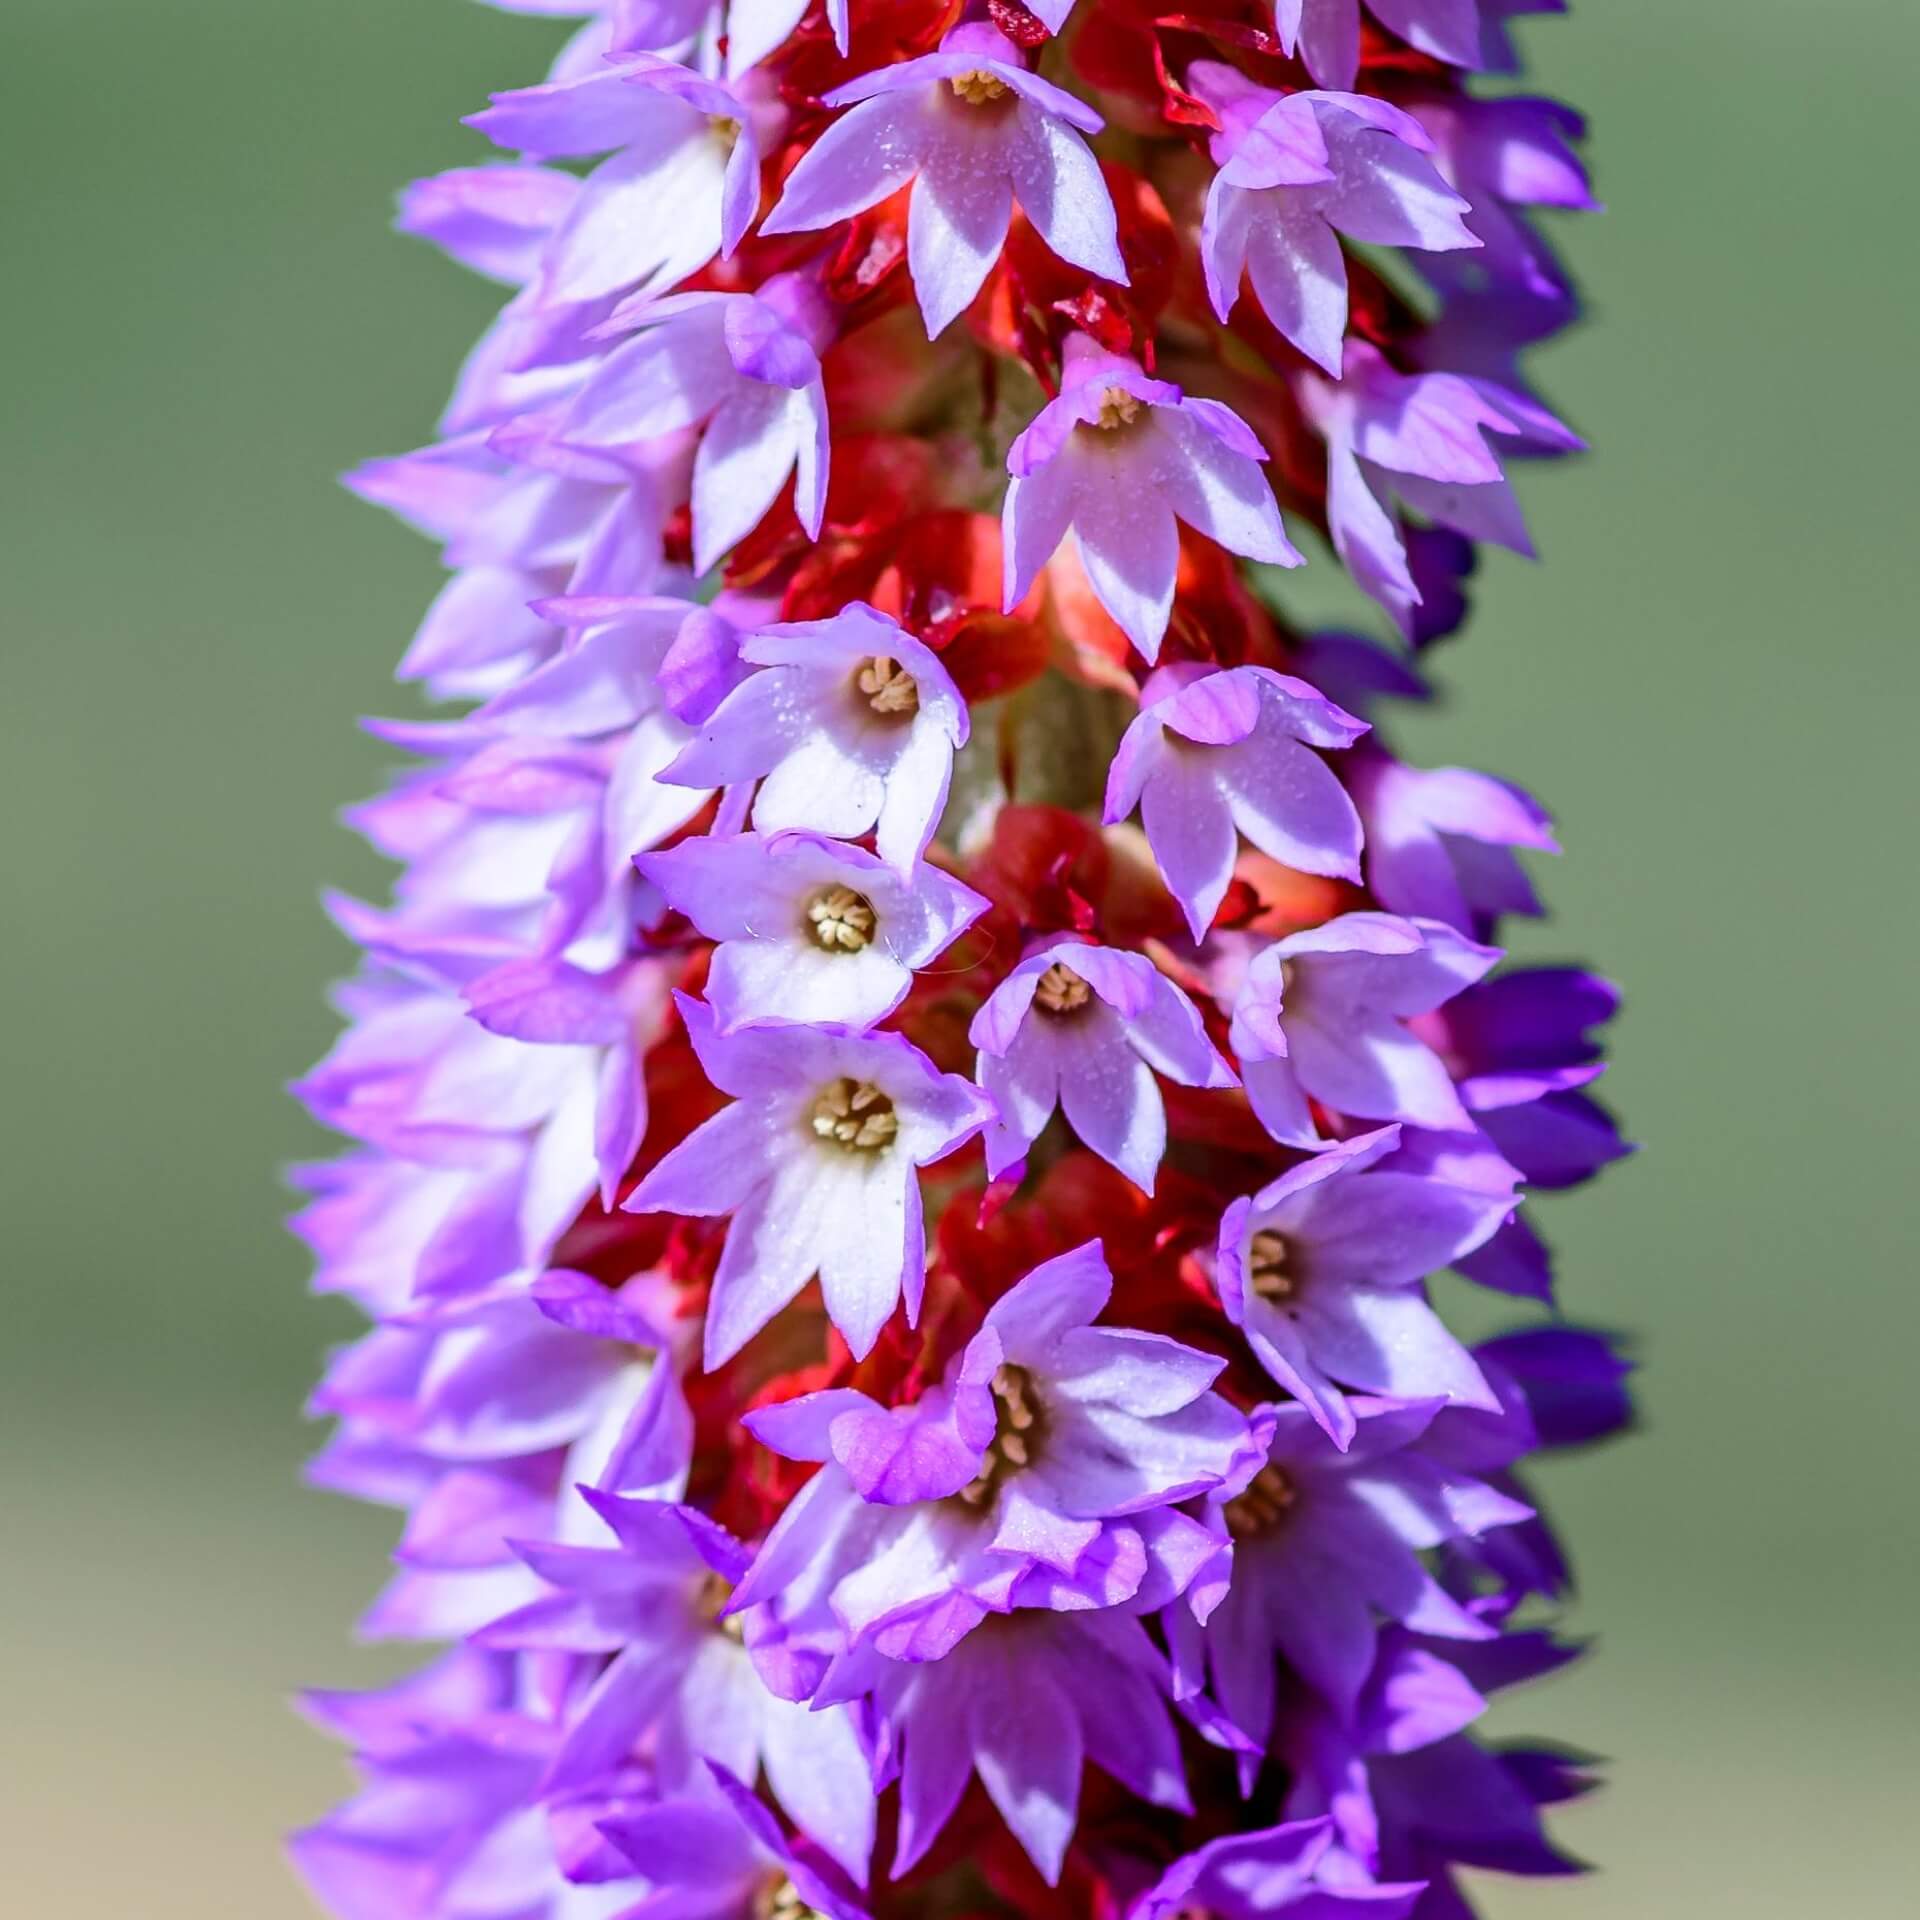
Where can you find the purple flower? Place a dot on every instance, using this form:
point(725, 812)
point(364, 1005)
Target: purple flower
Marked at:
point(1086, 1028)
point(1243, 1876)
point(1416, 440)
point(682, 185)
point(817, 1161)
point(1321, 1542)
point(1323, 1014)
point(1212, 753)
point(1041, 1473)
point(677, 1672)
point(1407, 1792)
point(973, 130)
point(809, 929)
point(1296, 171)
point(1321, 1271)
point(1025, 1702)
point(744, 368)
point(1117, 459)
point(852, 722)
point(1326, 33)
point(1440, 840)
point(721, 1856)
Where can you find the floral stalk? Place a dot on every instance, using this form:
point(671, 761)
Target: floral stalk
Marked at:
point(927, 1050)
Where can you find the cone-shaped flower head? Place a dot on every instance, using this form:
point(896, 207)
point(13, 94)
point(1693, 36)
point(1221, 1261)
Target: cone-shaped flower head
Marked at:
point(974, 130)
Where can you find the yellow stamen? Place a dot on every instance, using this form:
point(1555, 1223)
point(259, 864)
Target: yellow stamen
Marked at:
point(1118, 408)
point(855, 1116)
point(1061, 991)
point(979, 88)
point(889, 687)
point(841, 920)
point(1267, 1266)
point(1016, 1432)
point(1262, 1507)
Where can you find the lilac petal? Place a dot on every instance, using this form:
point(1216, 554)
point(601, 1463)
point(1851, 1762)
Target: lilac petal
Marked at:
point(855, 164)
point(1279, 1102)
point(1110, 1097)
point(1062, 1293)
point(774, 1247)
point(1299, 276)
point(1027, 1750)
point(1059, 186)
point(1388, 1340)
point(717, 1168)
point(1129, 546)
point(748, 451)
point(957, 220)
point(1218, 489)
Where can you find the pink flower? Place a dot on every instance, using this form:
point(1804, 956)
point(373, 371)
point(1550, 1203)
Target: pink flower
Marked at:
point(817, 1161)
point(1296, 171)
point(1212, 753)
point(1116, 459)
point(1087, 1028)
point(745, 369)
point(853, 723)
point(974, 131)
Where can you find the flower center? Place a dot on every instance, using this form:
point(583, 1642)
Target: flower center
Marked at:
point(1061, 991)
point(715, 1591)
point(1016, 1432)
point(1118, 408)
point(780, 1899)
point(1263, 1506)
point(855, 1116)
point(888, 686)
point(978, 87)
point(840, 920)
point(1267, 1266)
point(724, 128)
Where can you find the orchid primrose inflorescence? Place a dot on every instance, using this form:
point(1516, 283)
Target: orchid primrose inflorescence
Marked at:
point(927, 1049)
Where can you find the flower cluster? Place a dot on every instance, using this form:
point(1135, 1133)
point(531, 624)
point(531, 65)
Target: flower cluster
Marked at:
point(926, 1050)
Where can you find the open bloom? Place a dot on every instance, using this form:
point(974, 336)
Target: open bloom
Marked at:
point(1322, 1540)
point(1322, 1269)
point(1086, 1028)
point(675, 1673)
point(1213, 755)
point(1296, 172)
point(1043, 1472)
point(681, 186)
point(974, 130)
point(718, 1856)
point(809, 929)
point(1116, 460)
point(1323, 1015)
point(1245, 1876)
point(1417, 440)
point(744, 368)
point(850, 725)
point(1026, 1702)
point(817, 1162)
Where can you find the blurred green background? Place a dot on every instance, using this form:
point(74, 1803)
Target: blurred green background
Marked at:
point(1711, 681)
